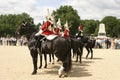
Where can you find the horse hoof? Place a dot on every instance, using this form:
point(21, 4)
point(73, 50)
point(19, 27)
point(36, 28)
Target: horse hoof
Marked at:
point(76, 61)
point(40, 67)
point(45, 66)
point(58, 60)
point(65, 75)
point(34, 72)
point(60, 75)
point(49, 63)
point(80, 62)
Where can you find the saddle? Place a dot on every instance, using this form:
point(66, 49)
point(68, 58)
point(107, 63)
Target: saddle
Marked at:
point(51, 37)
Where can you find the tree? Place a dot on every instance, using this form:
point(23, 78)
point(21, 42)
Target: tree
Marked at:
point(117, 28)
point(9, 23)
point(110, 25)
point(69, 14)
point(90, 26)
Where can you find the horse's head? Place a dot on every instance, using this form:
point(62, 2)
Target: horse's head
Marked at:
point(21, 30)
point(26, 29)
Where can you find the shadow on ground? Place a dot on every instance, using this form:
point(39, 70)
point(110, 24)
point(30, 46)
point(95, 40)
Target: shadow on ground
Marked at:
point(78, 69)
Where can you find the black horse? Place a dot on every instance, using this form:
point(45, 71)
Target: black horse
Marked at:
point(89, 47)
point(78, 44)
point(77, 47)
point(60, 46)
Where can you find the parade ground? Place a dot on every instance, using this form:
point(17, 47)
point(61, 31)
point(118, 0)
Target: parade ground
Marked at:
point(16, 64)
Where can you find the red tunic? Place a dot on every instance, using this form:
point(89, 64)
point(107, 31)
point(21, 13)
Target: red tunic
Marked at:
point(46, 25)
point(47, 32)
point(45, 28)
point(66, 33)
point(80, 28)
point(57, 31)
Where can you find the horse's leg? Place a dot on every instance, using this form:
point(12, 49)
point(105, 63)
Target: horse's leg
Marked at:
point(67, 62)
point(64, 69)
point(49, 58)
point(81, 53)
point(87, 51)
point(34, 55)
point(53, 58)
point(91, 53)
point(58, 60)
point(40, 61)
point(80, 56)
point(77, 56)
point(45, 58)
point(40, 54)
point(74, 52)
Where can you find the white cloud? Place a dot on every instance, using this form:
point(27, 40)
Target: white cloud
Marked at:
point(96, 9)
point(87, 9)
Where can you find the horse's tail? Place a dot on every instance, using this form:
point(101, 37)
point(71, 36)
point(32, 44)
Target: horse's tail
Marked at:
point(68, 62)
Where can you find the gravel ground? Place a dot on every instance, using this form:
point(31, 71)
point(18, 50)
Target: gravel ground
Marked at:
point(16, 64)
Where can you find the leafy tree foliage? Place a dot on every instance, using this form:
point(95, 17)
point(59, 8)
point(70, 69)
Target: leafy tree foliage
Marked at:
point(117, 28)
point(111, 25)
point(9, 23)
point(90, 26)
point(69, 14)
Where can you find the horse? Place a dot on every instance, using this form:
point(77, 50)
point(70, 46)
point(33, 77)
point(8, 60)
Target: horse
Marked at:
point(59, 46)
point(77, 47)
point(78, 43)
point(89, 47)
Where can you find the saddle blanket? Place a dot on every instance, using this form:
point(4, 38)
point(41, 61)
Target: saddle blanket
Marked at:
point(51, 37)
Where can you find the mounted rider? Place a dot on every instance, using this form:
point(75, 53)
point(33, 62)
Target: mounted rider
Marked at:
point(58, 28)
point(80, 30)
point(46, 29)
point(66, 31)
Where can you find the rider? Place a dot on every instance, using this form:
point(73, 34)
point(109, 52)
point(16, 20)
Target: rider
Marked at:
point(80, 31)
point(45, 30)
point(58, 28)
point(66, 31)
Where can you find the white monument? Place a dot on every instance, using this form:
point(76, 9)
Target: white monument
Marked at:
point(102, 32)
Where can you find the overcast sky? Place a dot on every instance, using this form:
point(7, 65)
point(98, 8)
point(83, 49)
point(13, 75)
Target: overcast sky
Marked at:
point(87, 9)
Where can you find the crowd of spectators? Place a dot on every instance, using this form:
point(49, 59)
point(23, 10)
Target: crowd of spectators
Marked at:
point(13, 41)
point(113, 43)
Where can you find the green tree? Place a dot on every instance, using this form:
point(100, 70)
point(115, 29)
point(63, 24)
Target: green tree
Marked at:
point(110, 25)
point(69, 14)
point(117, 28)
point(9, 23)
point(90, 26)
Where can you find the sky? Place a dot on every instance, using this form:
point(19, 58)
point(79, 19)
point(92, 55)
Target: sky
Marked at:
point(37, 9)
